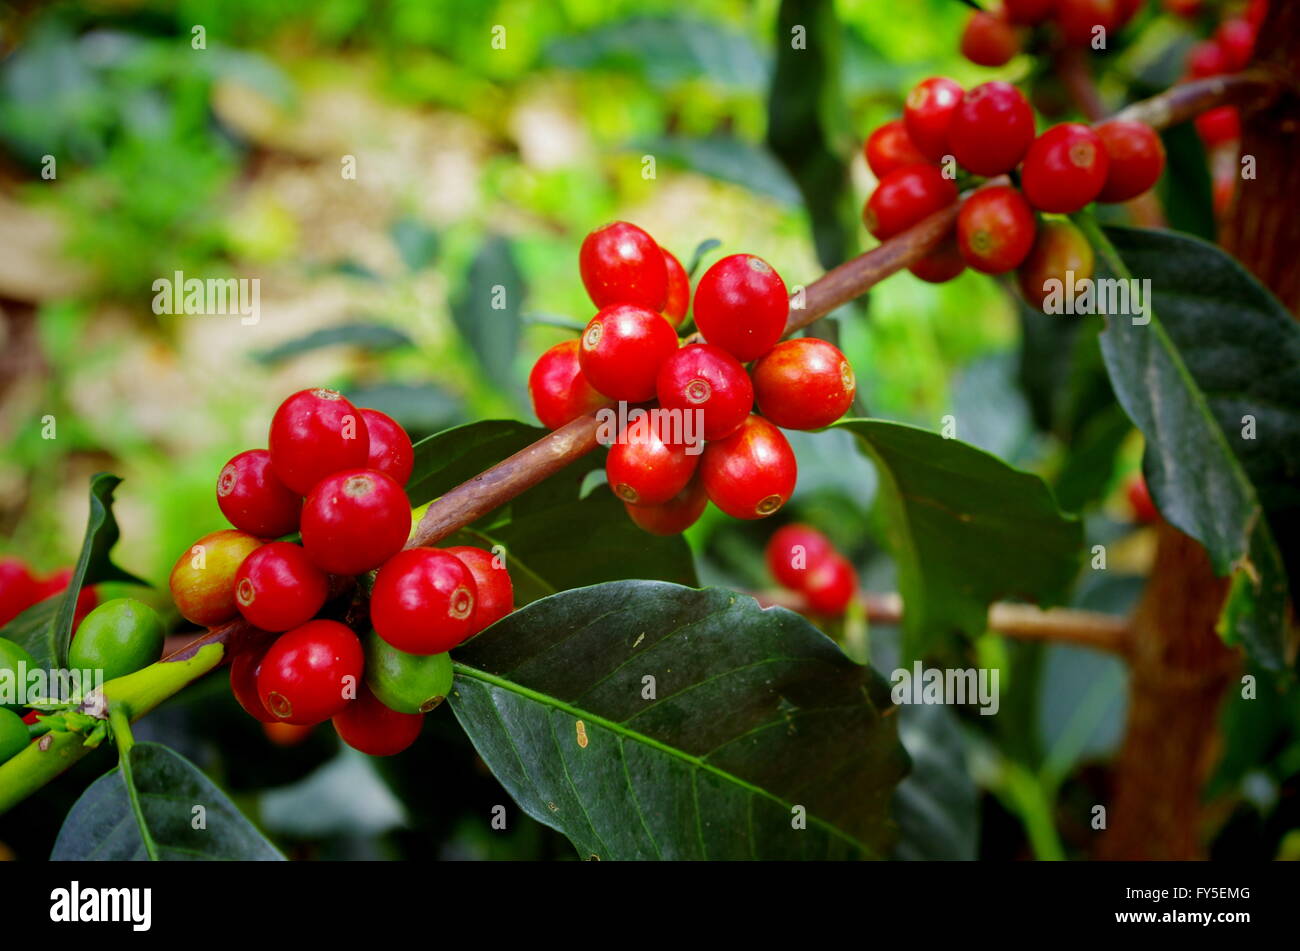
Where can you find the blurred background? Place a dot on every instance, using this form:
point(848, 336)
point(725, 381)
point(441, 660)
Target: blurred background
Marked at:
point(378, 166)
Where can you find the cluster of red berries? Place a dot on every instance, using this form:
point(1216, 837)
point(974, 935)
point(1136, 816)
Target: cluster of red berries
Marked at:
point(20, 589)
point(993, 37)
point(988, 131)
point(803, 560)
point(630, 352)
point(334, 475)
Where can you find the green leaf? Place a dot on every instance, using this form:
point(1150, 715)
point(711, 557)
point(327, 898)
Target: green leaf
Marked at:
point(416, 242)
point(487, 310)
point(45, 629)
point(420, 408)
point(965, 529)
point(1218, 348)
point(376, 338)
point(697, 258)
point(937, 805)
point(753, 713)
point(727, 159)
point(1186, 190)
point(557, 537)
point(101, 826)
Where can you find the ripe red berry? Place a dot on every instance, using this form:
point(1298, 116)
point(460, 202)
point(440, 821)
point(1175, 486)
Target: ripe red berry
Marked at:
point(995, 229)
point(243, 683)
point(1219, 126)
point(830, 586)
point(741, 305)
point(1236, 37)
point(1206, 59)
point(278, 587)
point(354, 521)
point(752, 472)
point(18, 589)
point(559, 391)
point(315, 433)
point(494, 592)
point(679, 289)
point(1065, 169)
point(1135, 157)
point(904, 197)
point(890, 147)
point(1139, 499)
point(793, 550)
point(674, 516)
point(423, 601)
point(804, 384)
point(253, 499)
point(992, 129)
point(927, 113)
point(989, 40)
point(391, 451)
point(1256, 11)
point(202, 581)
point(1028, 12)
point(1060, 253)
point(311, 673)
point(369, 726)
point(940, 265)
point(622, 350)
point(708, 379)
point(1081, 21)
point(621, 264)
point(643, 469)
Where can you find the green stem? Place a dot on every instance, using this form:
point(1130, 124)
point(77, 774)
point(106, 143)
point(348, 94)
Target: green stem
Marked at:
point(119, 715)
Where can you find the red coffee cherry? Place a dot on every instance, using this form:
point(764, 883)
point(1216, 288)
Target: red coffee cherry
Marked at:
point(369, 726)
point(244, 669)
point(708, 379)
point(495, 594)
point(391, 451)
point(1028, 12)
point(741, 305)
point(940, 265)
point(423, 601)
point(1065, 169)
point(621, 264)
point(1139, 499)
point(253, 499)
point(1256, 11)
point(904, 197)
point(992, 129)
point(1236, 37)
point(315, 433)
point(278, 587)
point(674, 516)
point(889, 148)
point(18, 589)
point(793, 551)
point(1219, 126)
point(1081, 20)
point(354, 521)
point(995, 229)
point(1136, 159)
point(311, 673)
point(622, 349)
point(989, 40)
point(752, 472)
point(804, 384)
point(559, 391)
point(643, 469)
point(830, 586)
point(1206, 58)
point(1060, 253)
point(202, 581)
point(679, 289)
point(927, 112)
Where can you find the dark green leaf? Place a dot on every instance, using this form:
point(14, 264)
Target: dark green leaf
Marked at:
point(727, 159)
point(1185, 190)
point(487, 311)
point(102, 827)
point(753, 713)
point(419, 407)
point(965, 529)
point(701, 249)
point(376, 338)
point(937, 805)
point(1218, 348)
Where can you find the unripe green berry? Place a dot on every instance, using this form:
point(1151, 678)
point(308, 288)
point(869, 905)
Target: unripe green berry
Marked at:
point(119, 637)
point(407, 683)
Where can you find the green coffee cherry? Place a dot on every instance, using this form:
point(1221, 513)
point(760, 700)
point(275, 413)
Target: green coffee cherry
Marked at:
point(11, 655)
point(120, 637)
point(407, 683)
point(13, 735)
